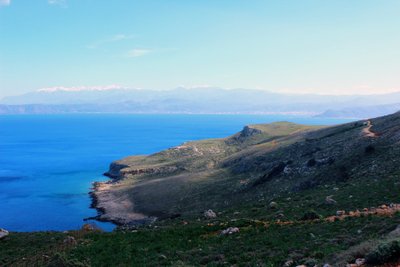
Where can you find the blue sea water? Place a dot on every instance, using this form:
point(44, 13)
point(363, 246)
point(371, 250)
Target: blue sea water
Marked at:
point(48, 162)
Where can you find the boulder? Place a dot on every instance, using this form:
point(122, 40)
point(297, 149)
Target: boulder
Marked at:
point(3, 233)
point(88, 227)
point(288, 263)
point(162, 256)
point(230, 230)
point(287, 170)
point(273, 205)
point(340, 213)
point(210, 214)
point(329, 200)
point(70, 240)
point(395, 233)
point(280, 215)
point(360, 261)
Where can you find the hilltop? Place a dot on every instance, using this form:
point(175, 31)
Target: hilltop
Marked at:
point(188, 178)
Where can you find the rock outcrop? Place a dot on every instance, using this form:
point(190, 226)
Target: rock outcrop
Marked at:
point(210, 214)
point(3, 233)
point(230, 230)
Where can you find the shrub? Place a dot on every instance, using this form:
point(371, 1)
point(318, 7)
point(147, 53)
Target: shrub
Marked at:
point(310, 262)
point(384, 253)
point(369, 149)
point(311, 163)
point(60, 260)
point(310, 215)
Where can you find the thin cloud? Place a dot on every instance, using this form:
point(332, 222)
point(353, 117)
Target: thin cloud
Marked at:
point(112, 39)
point(138, 52)
point(62, 3)
point(5, 2)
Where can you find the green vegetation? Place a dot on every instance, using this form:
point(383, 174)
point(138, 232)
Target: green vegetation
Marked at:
point(196, 175)
point(199, 243)
point(34, 247)
point(385, 252)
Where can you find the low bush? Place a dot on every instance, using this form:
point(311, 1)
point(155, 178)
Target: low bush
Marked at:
point(310, 215)
point(60, 260)
point(384, 253)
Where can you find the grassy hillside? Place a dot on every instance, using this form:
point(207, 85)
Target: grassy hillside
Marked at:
point(200, 244)
point(297, 194)
point(260, 163)
point(192, 177)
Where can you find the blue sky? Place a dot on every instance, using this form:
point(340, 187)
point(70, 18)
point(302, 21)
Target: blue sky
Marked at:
point(333, 46)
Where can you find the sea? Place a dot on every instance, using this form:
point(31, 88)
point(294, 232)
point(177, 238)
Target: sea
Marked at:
point(49, 162)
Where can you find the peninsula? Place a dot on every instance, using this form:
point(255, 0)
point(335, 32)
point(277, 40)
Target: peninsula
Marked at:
point(261, 163)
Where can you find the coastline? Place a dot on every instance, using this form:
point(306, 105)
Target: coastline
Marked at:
point(113, 208)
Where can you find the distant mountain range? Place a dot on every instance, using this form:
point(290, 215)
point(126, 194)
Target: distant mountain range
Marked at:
point(362, 111)
point(198, 101)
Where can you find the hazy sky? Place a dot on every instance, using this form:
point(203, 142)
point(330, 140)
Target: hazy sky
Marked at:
point(332, 46)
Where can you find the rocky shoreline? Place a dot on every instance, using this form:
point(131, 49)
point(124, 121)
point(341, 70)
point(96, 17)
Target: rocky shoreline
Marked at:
point(110, 207)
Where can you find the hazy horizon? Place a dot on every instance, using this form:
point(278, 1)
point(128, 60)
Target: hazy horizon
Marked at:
point(114, 87)
point(337, 48)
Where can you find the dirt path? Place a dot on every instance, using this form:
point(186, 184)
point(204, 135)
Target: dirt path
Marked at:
point(367, 132)
point(381, 211)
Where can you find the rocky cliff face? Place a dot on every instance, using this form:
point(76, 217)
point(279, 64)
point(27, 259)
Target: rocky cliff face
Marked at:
point(114, 171)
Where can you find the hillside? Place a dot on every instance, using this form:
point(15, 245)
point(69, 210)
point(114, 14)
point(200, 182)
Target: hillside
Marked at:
point(188, 178)
point(260, 162)
point(286, 194)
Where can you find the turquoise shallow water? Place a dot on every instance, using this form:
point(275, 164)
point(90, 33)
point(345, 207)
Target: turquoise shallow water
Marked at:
point(48, 162)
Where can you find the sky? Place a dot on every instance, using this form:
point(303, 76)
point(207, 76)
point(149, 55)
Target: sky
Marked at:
point(297, 46)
